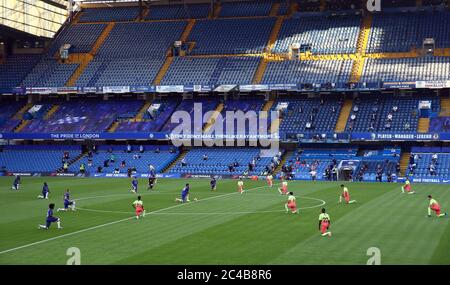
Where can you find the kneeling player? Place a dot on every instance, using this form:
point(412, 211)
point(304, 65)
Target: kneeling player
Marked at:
point(324, 223)
point(67, 203)
point(407, 187)
point(284, 188)
point(213, 184)
point(240, 186)
point(345, 195)
point(269, 179)
point(434, 205)
point(45, 192)
point(291, 204)
point(151, 179)
point(138, 206)
point(16, 183)
point(184, 195)
point(134, 185)
point(50, 219)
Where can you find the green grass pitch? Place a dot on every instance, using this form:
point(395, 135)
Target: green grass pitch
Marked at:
point(223, 227)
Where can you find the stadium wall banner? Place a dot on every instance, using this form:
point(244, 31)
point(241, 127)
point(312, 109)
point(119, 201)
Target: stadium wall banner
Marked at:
point(425, 180)
point(116, 89)
point(400, 136)
point(170, 89)
point(399, 85)
point(433, 84)
point(138, 175)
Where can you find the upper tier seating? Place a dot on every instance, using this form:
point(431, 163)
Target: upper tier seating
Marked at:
point(49, 73)
point(109, 14)
point(231, 36)
point(325, 35)
point(406, 69)
point(223, 70)
point(247, 8)
point(80, 37)
point(396, 32)
point(307, 71)
point(14, 70)
point(168, 12)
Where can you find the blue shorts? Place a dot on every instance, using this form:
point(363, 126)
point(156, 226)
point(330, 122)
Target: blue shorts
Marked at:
point(50, 221)
point(67, 204)
point(184, 198)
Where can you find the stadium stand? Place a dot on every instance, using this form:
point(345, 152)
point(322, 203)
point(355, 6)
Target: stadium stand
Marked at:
point(245, 9)
point(406, 69)
point(307, 71)
point(82, 116)
point(423, 166)
point(402, 31)
point(231, 36)
point(108, 14)
point(319, 34)
point(135, 160)
point(170, 12)
point(222, 70)
point(371, 114)
point(7, 111)
point(219, 160)
point(14, 69)
point(39, 158)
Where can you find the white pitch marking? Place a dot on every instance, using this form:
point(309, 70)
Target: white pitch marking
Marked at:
point(112, 223)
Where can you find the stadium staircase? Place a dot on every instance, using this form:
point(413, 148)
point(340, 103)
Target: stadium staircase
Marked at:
point(50, 112)
point(216, 11)
point(83, 59)
point(293, 8)
point(113, 127)
point(22, 111)
point(284, 157)
point(213, 117)
point(23, 124)
point(404, 161)
point(423, 125)
point(343, 116)
point(259, 74)
point(361, 45)
point(267, 106)
point(274, 10)
point(445, 107)
point(141, 113)
point(72, 161)
point(173, 163)
point(144, 14)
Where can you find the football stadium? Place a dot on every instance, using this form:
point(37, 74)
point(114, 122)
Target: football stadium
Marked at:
point(225, 132)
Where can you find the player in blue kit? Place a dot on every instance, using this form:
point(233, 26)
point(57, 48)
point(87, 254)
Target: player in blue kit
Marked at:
point(67, 203)
point(134, 185)
point(213, 183)
point(185, 195)
point(45, 191)
point(16, 183)
point(151, 178)
point(50, 219)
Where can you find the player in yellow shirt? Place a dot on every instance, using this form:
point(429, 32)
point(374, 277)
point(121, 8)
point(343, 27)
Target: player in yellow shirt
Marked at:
point(407, 187)
point(291, 204)
point(138, 206)
point(324, 223)
point(434, 205)
point(346, 195)
point(240, 186)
